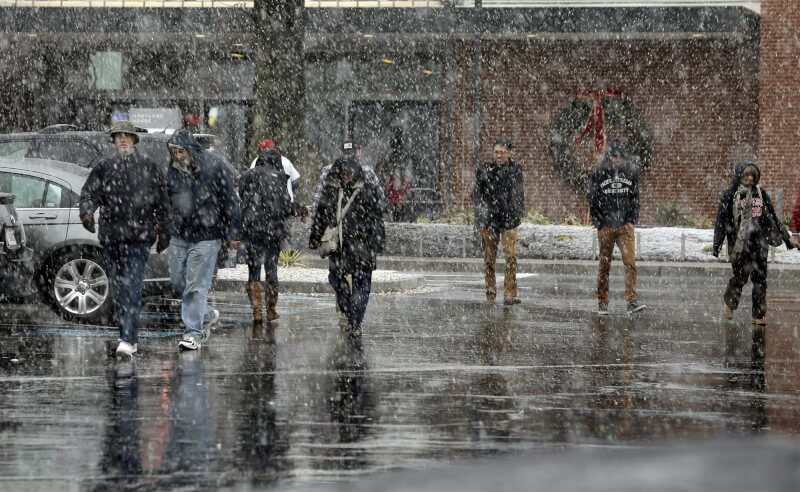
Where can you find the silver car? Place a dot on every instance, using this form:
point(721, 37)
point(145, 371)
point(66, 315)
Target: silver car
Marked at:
point(68, 265)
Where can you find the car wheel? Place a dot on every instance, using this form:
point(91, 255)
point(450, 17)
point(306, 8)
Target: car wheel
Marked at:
point(78, 288)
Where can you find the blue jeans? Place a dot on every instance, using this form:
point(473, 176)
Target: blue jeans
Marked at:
point(124, 264)
point(191, 268)
point(352, 300)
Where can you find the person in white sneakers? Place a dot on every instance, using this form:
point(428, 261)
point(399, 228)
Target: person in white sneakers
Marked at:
point(205, 211)
point(127, 225)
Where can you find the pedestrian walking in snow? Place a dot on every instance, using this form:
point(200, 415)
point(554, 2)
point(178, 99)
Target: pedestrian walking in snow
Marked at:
point(351, 207)
point(614, 209)
point(266, 206)
point(744, 218)
point(292, 185)
point(498, 198)
point(131, 192)
point(205, 211)
point(349, 149)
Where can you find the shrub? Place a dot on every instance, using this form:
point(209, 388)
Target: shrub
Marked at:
point(704, 223)
point(669, 214)
point(571, 220)
point(292, 257)
point(536, 217)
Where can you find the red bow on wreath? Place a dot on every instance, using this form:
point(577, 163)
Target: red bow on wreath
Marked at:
point(597, 120)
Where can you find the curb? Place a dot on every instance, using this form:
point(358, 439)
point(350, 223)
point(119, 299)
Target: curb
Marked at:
point(777, 271)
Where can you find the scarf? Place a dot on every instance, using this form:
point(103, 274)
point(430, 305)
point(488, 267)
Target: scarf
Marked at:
point(742, 219)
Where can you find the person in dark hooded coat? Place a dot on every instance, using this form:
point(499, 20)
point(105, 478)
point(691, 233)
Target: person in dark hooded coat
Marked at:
point(266, 205)
point(205, 211)
point(742, 217)
point(362, 232)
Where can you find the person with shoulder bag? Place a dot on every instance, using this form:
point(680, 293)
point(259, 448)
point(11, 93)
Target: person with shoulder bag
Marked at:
point(349, 214)
point(747, 220)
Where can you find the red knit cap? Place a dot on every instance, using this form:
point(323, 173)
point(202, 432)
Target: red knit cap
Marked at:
point(266, 144)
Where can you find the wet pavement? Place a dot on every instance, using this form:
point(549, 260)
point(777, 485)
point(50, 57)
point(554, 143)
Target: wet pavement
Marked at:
point(508, 395)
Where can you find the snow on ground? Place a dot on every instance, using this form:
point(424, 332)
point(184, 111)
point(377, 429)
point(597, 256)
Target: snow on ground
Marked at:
point(300, 274)
point(652, 244)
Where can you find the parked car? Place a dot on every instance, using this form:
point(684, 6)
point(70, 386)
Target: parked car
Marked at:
point(86, 148)
point(67, 259)
point(16, 258)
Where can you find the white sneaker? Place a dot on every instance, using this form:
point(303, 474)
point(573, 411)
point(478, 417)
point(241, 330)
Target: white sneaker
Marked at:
point(125, 349)
point(189, 343)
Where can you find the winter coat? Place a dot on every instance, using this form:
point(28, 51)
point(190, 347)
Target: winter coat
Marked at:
point(498, 196)
point(362, 226)
point(614, 195)
point(131, 193)
point(203, 201)
point(266, 203)
point(725, 227)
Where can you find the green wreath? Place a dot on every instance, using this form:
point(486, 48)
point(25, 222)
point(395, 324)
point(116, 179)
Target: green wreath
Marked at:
point(618, 113)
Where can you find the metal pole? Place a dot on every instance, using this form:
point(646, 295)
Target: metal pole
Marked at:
point(683, 245)
point(477, 82)
point(448, 125)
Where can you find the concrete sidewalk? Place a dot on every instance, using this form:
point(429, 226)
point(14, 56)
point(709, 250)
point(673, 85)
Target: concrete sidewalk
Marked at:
point(405, 273)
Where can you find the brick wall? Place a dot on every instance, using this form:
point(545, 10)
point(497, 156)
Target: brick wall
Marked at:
point(699, 97)
point(779, 98)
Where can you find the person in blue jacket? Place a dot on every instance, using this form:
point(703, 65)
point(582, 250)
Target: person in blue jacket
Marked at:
point(205, 212)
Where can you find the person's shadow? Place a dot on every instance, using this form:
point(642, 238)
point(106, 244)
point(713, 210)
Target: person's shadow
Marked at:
point(260, 449)
point(121, 461)
point(349, 399)
point(745, 360)
point(492, 405)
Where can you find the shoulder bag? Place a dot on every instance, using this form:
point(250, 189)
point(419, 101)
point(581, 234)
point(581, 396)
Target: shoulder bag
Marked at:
point(332, 237)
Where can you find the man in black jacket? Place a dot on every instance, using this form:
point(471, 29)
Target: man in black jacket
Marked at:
point(131, 192)
point(499, 201)
point(614, 209)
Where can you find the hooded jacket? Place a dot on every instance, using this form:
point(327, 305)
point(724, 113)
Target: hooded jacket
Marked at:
point(363, 233)
point(725, 227)
point(614, 195)
point(498, 196)
point(266, 203)
point(203, 201)
point(131, 192)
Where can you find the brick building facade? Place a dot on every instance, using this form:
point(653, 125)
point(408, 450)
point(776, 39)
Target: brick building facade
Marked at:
point(779, 97)
point(698, 96)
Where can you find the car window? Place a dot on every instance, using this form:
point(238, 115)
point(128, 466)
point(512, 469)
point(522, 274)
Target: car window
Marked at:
point(75, 151)
point(56, 197)
point(29, 191)
point(16, 148)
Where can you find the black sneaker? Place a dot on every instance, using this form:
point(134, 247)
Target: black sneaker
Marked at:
point(602, 308)
point(635, 307)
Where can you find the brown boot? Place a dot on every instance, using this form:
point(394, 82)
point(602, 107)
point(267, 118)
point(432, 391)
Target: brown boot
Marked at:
point(272, 299)
point(254, 293)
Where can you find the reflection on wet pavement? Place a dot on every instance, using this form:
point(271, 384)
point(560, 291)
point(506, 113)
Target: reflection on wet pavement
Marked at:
point(436, 378)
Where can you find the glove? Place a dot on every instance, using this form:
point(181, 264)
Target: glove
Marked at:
point(88, 222)
point(162, 243)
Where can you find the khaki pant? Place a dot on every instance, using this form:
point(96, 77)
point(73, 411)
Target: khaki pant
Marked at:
point(625, 240)
point(489, 240)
